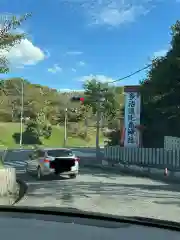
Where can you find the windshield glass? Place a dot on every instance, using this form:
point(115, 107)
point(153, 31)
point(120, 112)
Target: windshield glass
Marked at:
point(59, 153)
point(102, 80)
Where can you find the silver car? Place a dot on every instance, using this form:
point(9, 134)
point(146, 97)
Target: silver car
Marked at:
point(60, 161)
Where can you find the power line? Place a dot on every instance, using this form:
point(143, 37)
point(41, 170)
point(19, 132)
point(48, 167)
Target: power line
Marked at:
point(132, 74)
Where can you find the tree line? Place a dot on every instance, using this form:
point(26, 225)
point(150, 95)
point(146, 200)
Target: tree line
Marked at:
point(44, 107)
point(161, 95)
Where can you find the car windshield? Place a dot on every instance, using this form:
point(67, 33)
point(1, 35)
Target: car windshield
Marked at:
point(60, 153)
point(97, 84)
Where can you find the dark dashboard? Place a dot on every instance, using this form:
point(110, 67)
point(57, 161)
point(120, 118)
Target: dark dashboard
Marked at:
point(26, 225)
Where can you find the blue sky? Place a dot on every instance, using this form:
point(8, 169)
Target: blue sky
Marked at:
point(69, 40)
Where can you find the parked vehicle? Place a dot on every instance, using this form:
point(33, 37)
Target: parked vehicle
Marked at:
point(61, 161)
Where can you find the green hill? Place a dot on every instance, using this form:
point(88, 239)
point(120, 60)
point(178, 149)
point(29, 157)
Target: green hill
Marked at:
point(47, 105)
point(56, 139)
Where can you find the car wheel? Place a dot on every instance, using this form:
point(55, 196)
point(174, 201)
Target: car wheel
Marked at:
point(72, 175)
point(39, 174)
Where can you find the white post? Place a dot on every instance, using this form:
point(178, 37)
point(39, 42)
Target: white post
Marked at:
point(22, 112)
point(65, 127)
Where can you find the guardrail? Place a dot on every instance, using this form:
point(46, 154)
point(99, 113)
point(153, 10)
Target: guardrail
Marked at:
point(145, 157)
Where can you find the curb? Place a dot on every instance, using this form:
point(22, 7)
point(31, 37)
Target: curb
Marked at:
point(22, 190)
point(136, 173)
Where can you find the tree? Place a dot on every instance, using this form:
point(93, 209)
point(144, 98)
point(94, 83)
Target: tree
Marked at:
point(111, 108)
point(35, 129)
point(95, 92)
point(43, 126)
point(160, 94)
point(114, 138)
point(47, 131)
point(8, 39)
point(32, 133)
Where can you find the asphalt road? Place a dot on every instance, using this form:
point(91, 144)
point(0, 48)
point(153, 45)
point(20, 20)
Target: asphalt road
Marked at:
point(106, 192)
point(99, 191)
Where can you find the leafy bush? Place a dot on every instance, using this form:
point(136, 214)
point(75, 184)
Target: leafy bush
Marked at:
point(114, 138)
point(1, 162)
point(47, 131)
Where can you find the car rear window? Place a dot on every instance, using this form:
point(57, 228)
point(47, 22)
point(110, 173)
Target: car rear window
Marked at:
point(60, 153)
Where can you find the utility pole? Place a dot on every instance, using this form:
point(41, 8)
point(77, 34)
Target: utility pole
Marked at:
point(22, 112)
point(100, 99)
point(65, 127)
point(97, 129)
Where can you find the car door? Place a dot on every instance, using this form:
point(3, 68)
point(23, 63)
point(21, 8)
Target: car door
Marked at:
point(32, 162)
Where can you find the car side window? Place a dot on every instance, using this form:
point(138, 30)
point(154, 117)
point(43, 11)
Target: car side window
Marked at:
point(33, 155)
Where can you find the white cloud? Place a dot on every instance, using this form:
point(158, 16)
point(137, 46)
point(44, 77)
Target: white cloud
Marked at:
point(113, 12)
point(24, 53)
point(81, 63)
point(56, 68)
point(74, 53)
point(100, 78)
point(160, 53)
point(73, 69)
point(114, 16)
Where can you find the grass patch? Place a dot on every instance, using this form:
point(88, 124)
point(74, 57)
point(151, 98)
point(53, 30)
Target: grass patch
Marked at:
point(56, 139)
point(1, 164)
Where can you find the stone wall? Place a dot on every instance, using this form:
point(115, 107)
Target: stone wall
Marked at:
point(8, 184)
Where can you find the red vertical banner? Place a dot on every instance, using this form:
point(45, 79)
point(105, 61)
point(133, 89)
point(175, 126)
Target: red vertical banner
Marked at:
point(122, 136)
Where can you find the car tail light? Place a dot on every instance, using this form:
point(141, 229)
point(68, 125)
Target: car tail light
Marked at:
point(46, 161)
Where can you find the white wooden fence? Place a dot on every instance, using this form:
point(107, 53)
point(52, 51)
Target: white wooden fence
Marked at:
point(145, 157)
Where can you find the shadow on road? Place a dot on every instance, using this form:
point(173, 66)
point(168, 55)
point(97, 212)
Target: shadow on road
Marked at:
point(170, 202)
point(30, 177)
point(66, 190)
point(170, 180)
